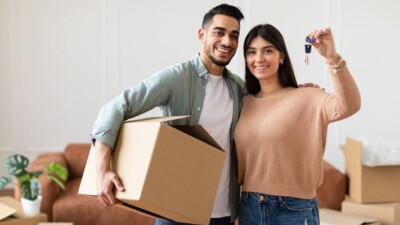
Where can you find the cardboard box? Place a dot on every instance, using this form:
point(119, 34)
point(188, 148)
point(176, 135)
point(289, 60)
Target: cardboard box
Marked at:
point(333, 217)
point(11, 213)
point(387, 213)
point(169, 172)
point(376, 184)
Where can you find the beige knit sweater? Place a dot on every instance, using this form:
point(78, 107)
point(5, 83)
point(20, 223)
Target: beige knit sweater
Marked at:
point(281, 139)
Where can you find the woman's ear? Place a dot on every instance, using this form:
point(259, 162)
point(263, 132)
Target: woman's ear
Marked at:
point(282, 58)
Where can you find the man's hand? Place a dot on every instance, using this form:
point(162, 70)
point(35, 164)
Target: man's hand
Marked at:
point(311, 85)
point(107, 179)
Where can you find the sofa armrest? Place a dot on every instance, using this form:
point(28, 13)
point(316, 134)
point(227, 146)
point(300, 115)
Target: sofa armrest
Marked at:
point(49, 189)
point(76, 155)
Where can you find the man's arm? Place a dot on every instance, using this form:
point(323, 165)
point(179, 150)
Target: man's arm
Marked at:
point(311, 85)
point(152, 92)
point(107, 179)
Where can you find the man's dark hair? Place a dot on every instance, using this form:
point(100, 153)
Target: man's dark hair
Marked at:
point(223, 9)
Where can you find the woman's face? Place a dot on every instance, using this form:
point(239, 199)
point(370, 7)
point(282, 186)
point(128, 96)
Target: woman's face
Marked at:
point(262, 59)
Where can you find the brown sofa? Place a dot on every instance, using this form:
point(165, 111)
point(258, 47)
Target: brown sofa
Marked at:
point(81, 210)
point(68, 206)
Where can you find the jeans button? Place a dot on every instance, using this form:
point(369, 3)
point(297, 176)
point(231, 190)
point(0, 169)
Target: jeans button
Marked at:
point(261, 198)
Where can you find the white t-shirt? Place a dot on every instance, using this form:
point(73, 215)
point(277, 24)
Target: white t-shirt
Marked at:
point(216, 118)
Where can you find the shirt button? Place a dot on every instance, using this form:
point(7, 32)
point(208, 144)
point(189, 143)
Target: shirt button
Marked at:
point(198, 108)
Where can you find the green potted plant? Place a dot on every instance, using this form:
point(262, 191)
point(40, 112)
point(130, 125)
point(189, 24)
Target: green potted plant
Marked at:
point(16, 165)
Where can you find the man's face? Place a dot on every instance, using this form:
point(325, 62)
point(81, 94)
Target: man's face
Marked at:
point(220, 39)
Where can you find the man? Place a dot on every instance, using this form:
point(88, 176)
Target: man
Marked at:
point(201, 87)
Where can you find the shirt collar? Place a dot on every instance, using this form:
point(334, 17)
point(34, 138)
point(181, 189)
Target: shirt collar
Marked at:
point(201, 69)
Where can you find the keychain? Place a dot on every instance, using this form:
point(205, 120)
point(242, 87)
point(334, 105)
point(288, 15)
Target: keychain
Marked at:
point(307, 48)
point(308, 51)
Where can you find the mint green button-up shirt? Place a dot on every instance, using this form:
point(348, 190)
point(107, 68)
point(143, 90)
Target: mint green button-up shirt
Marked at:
point(177, 90)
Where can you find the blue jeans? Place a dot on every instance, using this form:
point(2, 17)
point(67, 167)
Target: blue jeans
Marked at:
point(262, 209)
point(213, 221)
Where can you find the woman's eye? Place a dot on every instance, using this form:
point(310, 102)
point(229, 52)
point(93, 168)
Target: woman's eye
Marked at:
point(268, 51)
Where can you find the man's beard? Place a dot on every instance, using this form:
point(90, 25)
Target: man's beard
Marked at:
point(219, 62)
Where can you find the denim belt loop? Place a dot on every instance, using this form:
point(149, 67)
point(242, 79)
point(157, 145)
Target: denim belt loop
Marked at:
point(280, 199)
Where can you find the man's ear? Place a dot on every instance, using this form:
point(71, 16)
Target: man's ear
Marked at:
point(201, 35)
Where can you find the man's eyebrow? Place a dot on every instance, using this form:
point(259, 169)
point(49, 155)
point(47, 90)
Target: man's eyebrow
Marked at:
point(224, 29)
point(219, 28)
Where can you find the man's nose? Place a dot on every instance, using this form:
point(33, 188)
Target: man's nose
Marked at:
point(227, 40)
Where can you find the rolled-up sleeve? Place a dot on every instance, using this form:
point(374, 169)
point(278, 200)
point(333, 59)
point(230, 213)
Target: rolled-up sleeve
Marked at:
point(134, 101)
point(107, 125)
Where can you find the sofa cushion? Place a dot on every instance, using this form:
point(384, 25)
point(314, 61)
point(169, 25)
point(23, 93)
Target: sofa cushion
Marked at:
point(76, 155)
point(84, 210)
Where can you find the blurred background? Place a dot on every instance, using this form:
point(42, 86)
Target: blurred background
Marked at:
point(61, 60)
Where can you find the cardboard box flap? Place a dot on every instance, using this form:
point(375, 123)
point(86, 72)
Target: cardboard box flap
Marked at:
point(6, 211)
point(14, 204)
point(89, 180)
point(155, 119)
point(354, 150)
point(333, 217)
point(140, 211)
point(198, 132)
point(148, 213)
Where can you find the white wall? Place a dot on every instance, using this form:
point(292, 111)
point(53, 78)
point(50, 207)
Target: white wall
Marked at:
point(61, 60)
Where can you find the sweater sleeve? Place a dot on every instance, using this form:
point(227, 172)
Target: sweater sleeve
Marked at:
point(346, 99)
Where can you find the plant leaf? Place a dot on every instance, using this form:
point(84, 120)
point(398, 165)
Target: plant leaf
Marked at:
point(58, 170)
point(35, 188)
point(16, 165)
point(30, 189)
point(35, 174)
point(4, 181)
point(55, 179)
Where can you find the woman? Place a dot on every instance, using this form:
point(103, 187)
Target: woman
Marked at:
point(281, 134)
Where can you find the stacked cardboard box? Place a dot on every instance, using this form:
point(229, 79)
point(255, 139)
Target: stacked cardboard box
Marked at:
point(333, 217)
point(370, 184)
point(387, 213)
point(373, 191)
